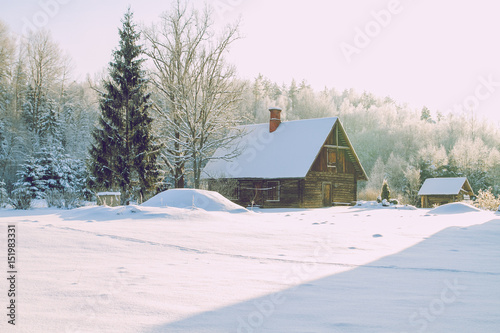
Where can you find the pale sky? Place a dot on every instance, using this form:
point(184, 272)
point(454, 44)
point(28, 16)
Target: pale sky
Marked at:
point(440, 54)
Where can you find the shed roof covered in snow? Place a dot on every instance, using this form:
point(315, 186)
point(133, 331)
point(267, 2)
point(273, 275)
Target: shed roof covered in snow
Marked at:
point(288, 152)
point(445, 186)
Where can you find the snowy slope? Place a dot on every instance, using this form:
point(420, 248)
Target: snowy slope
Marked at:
point(454, 208)
point(340, 269)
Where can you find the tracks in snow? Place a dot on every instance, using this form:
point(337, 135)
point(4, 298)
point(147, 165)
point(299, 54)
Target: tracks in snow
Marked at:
point(247, 257)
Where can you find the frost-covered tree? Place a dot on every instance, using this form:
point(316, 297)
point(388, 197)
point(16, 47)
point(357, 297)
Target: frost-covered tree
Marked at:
point(3, 194)
point(412, 177)
point(426, 114)
point(198, 93)
point(79, 113)
point(28, 179)
point(50, 124)
point(52, 169)
point(395, 170)
point(3, 145)
point(472, 159)
point(123, 155)
point(6, 65)
point(377, 175)
point(44, 69)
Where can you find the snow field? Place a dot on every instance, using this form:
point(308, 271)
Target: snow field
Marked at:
point(340, 269)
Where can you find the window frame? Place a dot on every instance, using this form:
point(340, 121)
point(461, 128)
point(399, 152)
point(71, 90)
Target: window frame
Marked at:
point(278, 190)
point(328, 163)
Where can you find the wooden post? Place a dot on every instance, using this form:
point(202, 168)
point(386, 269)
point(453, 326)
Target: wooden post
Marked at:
point(338, 144)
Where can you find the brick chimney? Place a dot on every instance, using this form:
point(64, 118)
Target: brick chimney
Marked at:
point(275, 119)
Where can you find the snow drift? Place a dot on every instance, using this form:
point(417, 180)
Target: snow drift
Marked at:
point(454, 208)
point(191, 198)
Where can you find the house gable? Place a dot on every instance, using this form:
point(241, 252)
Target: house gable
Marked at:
point(337, 155)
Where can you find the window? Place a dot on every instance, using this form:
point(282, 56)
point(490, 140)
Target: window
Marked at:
point(342, 162)
point(273, 191)
point(331, 158)
point(235, 192)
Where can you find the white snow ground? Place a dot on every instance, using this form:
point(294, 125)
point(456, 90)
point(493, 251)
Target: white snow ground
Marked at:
point(339, 269)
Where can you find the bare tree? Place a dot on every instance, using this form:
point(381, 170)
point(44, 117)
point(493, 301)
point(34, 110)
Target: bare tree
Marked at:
point(6, 53)
point(45, 69)
point(198, 91)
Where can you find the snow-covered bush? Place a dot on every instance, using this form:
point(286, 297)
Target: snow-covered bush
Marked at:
point(63, 199)
point(21, 198)
point(52, 170)
point(368, 194)
point(487, 200)
point(72, 199)
point(54, 198)
point(28, 175)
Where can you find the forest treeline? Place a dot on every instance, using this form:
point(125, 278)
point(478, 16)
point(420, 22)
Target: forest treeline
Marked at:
point(47, 120)
point(395, 142)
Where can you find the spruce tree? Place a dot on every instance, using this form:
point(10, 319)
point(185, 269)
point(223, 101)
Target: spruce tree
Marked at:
point(50, 124)
point(123, 156)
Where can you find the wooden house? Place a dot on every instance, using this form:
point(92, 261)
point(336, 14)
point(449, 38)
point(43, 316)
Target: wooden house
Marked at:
point(303, 163)
point(440, 191)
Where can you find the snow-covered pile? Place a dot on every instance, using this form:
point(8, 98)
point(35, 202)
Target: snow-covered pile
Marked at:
point(374, 204)
point(191, 198)
point(454, 208)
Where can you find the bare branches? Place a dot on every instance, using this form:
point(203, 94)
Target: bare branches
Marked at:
point(198, 90)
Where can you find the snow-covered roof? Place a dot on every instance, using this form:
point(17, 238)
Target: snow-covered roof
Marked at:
point(444, 186)
point(287, 152)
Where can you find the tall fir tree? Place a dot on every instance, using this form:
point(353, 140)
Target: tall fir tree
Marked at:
point(123, 156)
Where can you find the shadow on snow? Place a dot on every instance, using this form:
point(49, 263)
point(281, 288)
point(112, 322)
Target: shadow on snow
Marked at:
point(446, 283)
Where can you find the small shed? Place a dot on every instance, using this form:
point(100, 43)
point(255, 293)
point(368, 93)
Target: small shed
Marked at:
point(440, 191)
point(111, 199)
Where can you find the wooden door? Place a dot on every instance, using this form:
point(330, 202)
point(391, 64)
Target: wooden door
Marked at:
point(327, 194)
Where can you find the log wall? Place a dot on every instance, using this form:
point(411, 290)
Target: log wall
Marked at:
point(428, 201)
point(344, 188)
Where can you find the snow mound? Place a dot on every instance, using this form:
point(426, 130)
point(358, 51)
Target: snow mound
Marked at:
point(454, 208)
point(191, 198)
point(105, 213)
point(406, 207)
point(374, 204)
